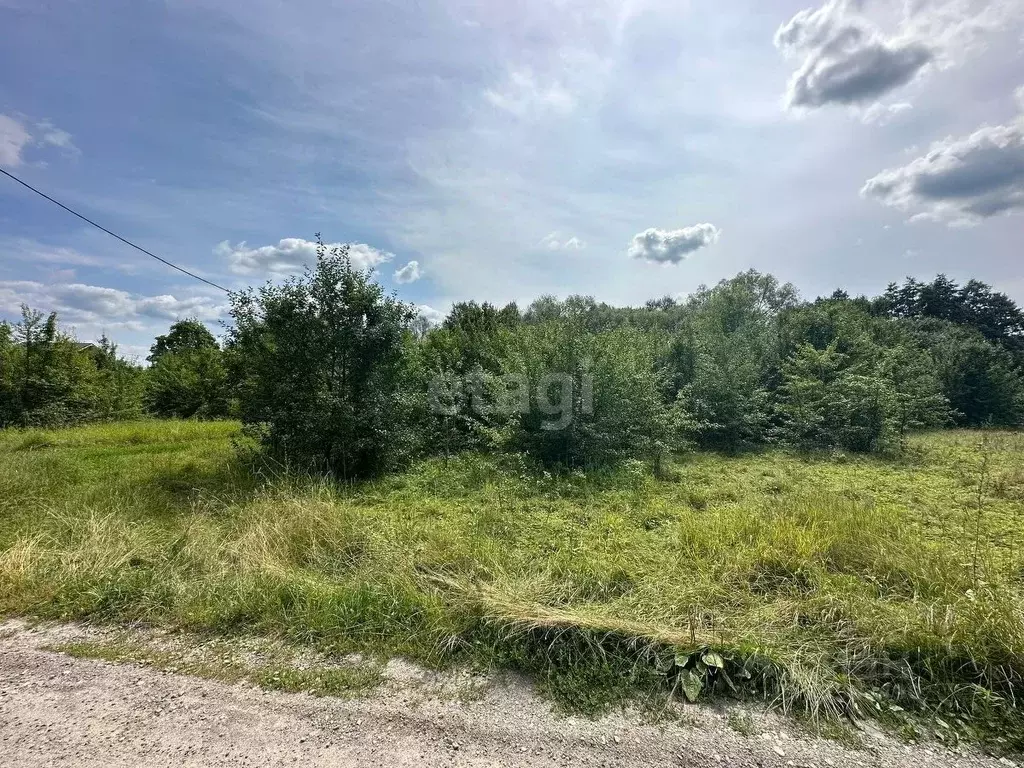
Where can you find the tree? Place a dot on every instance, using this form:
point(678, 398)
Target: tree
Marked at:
point(978, 377)
point(976, 305)
point(323, 368)
point(471, 344)
point(596, 398)
point(730, 351)
point(807, 404)
point(47, 378)
point(188, 378)
point(120, 383)
point(8, 366)
point(188, 334)
point(829, 399)
point(192, 383)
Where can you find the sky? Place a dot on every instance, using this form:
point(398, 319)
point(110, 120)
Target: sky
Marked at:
point(499, 150)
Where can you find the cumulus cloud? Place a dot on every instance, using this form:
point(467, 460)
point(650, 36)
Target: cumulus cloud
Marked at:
point(410, 273)
point(960, 180)
point(97, 306)
point(846, 59)
point(13, 140)
point(672, 246)
point(431, 315)
point(555, 242)
point(290, 255)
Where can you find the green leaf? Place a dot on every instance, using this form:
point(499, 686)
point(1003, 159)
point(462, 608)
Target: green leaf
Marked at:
point(713, 659)
point(692, 683)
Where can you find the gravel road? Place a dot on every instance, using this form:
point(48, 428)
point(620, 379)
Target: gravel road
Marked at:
point(56, 710)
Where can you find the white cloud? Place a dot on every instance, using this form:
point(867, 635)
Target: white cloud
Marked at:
point(846, 58)
point(883, 114)
point(24, 249)
point(523, 96)
point(555, 242)
point(95, 307)
point(13, 140)
point(431, 315)
point(671, 247)
point(410, 273)
point(960, 180)
point(52, 136)
point(290, 255)
point(1019, 95)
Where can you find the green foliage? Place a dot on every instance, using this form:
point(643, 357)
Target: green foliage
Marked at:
point(191, 383)
point(188, 377)
point(852, 381)
point(49, 379)
point(828, 399)
point(470, 346)
point(323, 369)
point(978, 377)
point(596, 399)
point(332, 374)
point(974, 305)
point(188, 335)
point(733, 353)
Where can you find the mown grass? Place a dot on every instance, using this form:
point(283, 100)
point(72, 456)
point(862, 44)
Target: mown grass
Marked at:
point(834, 586)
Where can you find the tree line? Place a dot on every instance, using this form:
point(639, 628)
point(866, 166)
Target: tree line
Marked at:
point(331, 373)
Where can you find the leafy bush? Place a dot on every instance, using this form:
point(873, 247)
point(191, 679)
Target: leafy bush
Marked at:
point(322, 366)
point(596, 398)
point(47, 378)
point(188, 378)
point(978, 377)
point(733, 355)
point(188, 384)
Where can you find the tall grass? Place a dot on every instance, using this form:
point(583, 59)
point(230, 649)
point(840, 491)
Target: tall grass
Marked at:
point(838, 586)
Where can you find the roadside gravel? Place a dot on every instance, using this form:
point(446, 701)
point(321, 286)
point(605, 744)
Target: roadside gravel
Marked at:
point(56, 710)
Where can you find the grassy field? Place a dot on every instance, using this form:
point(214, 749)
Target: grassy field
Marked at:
point(828, 585)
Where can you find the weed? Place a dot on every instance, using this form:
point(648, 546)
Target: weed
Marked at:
point(742, 722)
point(851, 588)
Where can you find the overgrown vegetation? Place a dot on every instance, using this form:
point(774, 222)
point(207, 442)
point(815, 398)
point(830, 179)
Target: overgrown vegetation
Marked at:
point(724, 495)
point(48, 379)
point(331, 374)
point(842, 585)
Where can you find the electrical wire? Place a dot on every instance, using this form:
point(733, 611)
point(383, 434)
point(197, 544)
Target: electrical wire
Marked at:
point(113, 234)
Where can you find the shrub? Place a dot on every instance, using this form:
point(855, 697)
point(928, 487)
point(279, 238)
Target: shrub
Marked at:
point(323, 374)
point(47, 378)
point(597, 397)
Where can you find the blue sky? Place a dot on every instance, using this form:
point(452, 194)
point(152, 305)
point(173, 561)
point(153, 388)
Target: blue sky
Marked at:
point(623, 150)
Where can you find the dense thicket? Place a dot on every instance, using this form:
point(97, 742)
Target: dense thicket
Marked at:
point(332, 373)
point(49, 379)
point(188, 377)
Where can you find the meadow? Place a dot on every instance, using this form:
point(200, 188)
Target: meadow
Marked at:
point(832, 585)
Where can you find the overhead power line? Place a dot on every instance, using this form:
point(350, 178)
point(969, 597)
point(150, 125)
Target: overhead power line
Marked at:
point(87, 220)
